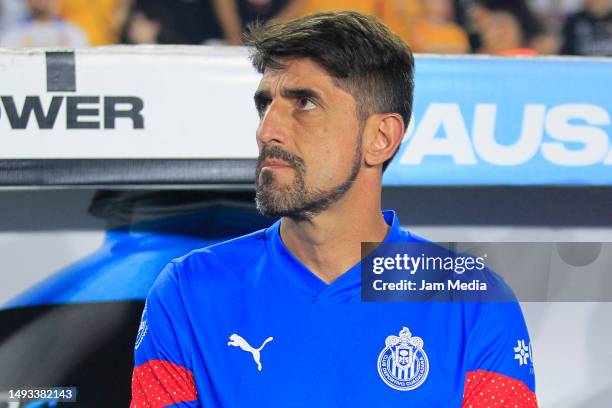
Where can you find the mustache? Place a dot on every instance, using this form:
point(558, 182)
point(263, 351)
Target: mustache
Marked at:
point(275, 152)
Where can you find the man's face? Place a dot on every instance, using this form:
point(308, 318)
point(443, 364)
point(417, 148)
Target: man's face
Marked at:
point(309, 140)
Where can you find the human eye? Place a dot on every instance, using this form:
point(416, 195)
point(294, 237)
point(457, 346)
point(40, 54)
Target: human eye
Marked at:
point(306, 103)
point(261, 104)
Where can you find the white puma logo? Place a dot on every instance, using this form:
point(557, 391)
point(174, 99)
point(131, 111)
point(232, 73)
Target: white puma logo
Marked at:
point(237, 341)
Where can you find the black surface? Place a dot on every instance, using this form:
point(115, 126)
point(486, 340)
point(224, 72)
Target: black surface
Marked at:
point(513, 206)
point(84, 345)
point(67, 209)
point(133, 172)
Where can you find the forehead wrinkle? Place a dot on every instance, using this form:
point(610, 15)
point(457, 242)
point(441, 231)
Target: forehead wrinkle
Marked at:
point(290, 87)
point(292, 64)
point(271, 85)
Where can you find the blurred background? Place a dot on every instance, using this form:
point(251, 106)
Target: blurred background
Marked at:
point(514, 27)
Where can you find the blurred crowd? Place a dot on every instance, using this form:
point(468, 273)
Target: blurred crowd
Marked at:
point(509, 27)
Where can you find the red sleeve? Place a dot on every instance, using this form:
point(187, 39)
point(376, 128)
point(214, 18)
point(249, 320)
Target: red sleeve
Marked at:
point(489, 389)
point(157, 384)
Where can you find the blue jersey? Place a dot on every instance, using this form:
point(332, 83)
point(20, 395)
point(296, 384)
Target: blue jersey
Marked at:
point(245, 324)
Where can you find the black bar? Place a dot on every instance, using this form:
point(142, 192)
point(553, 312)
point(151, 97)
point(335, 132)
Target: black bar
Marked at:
point(117, 172)
point(61, 71)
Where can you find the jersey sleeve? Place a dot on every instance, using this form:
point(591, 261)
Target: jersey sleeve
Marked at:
point(162, 375)
point(500, 367)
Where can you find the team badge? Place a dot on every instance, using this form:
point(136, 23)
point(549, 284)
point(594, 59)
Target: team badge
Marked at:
point(142, 329)
point(403, 364)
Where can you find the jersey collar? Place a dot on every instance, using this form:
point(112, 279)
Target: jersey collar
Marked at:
point(344, 289)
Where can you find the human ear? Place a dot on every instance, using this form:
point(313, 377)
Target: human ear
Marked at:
point(384, 133)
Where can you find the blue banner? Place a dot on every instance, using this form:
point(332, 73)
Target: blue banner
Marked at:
point(508, 121)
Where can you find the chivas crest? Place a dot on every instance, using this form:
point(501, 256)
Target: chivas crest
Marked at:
point(403, 364)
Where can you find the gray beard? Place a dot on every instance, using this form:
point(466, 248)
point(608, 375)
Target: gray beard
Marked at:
point(296, 201)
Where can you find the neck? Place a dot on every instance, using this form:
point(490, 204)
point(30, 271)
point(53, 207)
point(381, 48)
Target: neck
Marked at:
point(330, 243)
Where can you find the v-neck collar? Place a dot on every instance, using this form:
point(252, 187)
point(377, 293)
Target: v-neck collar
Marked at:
point(346, 287)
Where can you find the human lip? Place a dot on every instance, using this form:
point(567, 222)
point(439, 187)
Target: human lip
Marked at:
point(274, 164)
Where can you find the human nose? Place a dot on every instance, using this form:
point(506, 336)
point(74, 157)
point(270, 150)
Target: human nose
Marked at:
point(273, 125)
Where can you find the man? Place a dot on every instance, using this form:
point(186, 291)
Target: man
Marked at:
point(274, 318)
point(436, 31)
point(44, 28)
point(503, 33)
point(102, 20)
point(508, 27)
point(234, 15)
point(589, 31)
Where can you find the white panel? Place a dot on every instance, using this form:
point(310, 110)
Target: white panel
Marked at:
point(184, 89)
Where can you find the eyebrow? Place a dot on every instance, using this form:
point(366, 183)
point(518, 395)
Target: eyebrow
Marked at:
point(299, 93)
point(290, 93)
point(260, 96)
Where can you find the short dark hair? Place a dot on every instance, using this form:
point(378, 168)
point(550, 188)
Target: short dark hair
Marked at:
point(367, 60)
